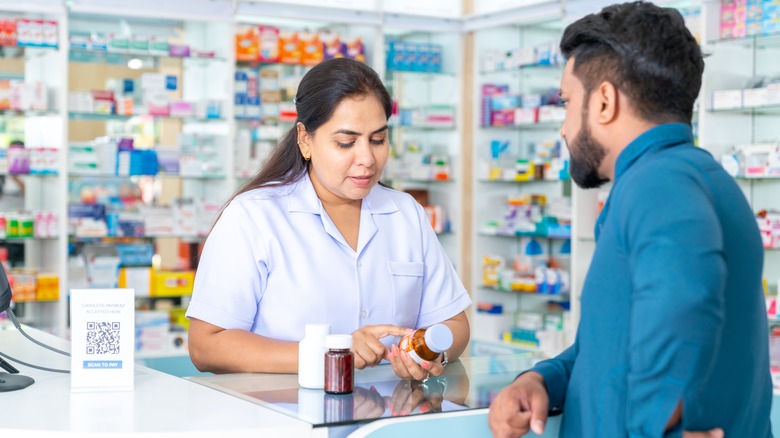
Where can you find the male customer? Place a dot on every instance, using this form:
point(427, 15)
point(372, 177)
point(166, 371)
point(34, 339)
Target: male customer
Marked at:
point(673, 332)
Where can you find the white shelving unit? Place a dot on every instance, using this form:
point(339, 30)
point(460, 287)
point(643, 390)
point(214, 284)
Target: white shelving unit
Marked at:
point(491, 191)
point(44, 129)
point(422, 91)
point(731, 64)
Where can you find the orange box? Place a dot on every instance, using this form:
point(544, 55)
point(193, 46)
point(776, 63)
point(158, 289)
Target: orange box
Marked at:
point(172, 284)
point(24, 287)
point(48, 287)
point(289, 47)
point(312, 51)
point(247, 45)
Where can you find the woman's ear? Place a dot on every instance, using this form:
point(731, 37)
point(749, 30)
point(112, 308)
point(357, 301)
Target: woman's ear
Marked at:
point(304, 141)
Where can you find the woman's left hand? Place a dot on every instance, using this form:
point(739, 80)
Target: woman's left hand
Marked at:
point(406, 368)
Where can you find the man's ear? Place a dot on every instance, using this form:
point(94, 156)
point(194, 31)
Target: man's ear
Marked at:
point(606, 102)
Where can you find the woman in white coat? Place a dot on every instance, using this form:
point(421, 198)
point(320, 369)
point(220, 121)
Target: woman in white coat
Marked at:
point(313, 238)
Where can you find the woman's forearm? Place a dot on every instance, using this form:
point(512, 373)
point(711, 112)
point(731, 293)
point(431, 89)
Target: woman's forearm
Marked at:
point(216, 350)
point(461, 332)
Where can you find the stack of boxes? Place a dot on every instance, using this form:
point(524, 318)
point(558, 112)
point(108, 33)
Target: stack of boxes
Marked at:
point(135, 45)
point(26, 32)
point(545, 54)
point(410, 56)
point(741, 18)
point(499, 108)
point(23, 96)
point(271, 45)
point(151, 94)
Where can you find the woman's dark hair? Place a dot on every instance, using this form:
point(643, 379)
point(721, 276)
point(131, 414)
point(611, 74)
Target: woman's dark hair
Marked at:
point(645, 51)
point(321, 90)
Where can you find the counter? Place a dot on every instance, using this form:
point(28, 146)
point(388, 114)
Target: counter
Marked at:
point(454, 404)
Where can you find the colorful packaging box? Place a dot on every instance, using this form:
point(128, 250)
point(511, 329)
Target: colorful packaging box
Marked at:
point(289, 47)
point(268, 44)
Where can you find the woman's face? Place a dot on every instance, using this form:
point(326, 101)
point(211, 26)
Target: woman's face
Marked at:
point(349, 151)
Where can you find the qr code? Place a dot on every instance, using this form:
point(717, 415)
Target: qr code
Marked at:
point(102, 338)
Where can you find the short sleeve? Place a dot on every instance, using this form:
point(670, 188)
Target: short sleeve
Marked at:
point(232, 272)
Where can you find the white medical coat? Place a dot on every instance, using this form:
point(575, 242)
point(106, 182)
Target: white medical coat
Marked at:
point(275, 261)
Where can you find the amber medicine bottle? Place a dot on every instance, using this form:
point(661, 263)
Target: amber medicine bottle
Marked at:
point(427, 344)
point(339, 365)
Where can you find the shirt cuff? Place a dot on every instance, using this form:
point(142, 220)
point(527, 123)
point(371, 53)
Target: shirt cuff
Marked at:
point(555, 382)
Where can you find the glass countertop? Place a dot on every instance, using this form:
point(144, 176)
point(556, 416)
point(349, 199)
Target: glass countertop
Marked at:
point(468, 383)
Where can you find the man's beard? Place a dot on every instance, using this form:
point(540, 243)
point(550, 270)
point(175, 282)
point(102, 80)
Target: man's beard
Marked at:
point(586, 157)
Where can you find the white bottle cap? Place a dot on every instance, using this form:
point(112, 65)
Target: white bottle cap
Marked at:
point(338, 342)
point(438, 337)
point(317, 330)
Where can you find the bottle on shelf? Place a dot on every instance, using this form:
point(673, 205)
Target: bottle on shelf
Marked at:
point(427, 344)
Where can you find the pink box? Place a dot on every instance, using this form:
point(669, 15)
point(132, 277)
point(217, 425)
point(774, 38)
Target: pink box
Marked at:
point(502, 117)
point(181, 109)
point(526, 116)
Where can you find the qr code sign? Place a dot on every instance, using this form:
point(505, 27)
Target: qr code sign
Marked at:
point(102, 338)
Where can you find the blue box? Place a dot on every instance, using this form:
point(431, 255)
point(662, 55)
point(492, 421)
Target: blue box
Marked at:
point(171, 83)
point(434, 64)
point(137, 162)
point(504, 101)
point(139, 254)
point(93, 211)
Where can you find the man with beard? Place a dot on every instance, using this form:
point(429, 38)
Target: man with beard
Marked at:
point(673, 332)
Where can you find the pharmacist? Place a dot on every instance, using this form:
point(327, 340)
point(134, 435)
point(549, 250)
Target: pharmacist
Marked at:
point(313, 238)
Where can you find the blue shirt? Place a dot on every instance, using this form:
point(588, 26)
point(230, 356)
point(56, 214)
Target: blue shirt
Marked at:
point(672, 306)
point(275, 261)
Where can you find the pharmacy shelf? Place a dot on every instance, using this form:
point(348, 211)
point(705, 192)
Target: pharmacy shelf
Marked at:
point(479, 346)
point(417, 181)
point(34, 175)
point(757, 178)
point(103, 57)
point(423, 128)
point(534, 68)
point(121, 239)
point(757, 41)
point(158, 175)
point(28, 113)
point(25, 239)
point(525, 234)
point(429, 75)
point(517, 181)
point(120, 117)
point(557, 298)
point(529, 126)
point(769, 110)
point(264, 64)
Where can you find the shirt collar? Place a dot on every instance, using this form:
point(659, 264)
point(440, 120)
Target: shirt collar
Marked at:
point(657, 137)
point(302, 198)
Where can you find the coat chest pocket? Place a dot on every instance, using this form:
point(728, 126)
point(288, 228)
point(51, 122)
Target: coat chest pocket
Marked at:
point(407, 284)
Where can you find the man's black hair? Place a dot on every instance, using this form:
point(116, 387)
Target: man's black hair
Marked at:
point(645, 51)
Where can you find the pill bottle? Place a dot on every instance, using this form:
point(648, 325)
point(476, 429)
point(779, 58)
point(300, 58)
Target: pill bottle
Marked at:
point(427, 344)
point(339, 365)
point(311, 353)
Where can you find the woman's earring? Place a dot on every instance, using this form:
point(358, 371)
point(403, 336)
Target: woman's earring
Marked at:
point(307, 158)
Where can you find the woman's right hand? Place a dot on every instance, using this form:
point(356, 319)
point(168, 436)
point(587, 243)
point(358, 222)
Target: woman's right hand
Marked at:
point(366, 346)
